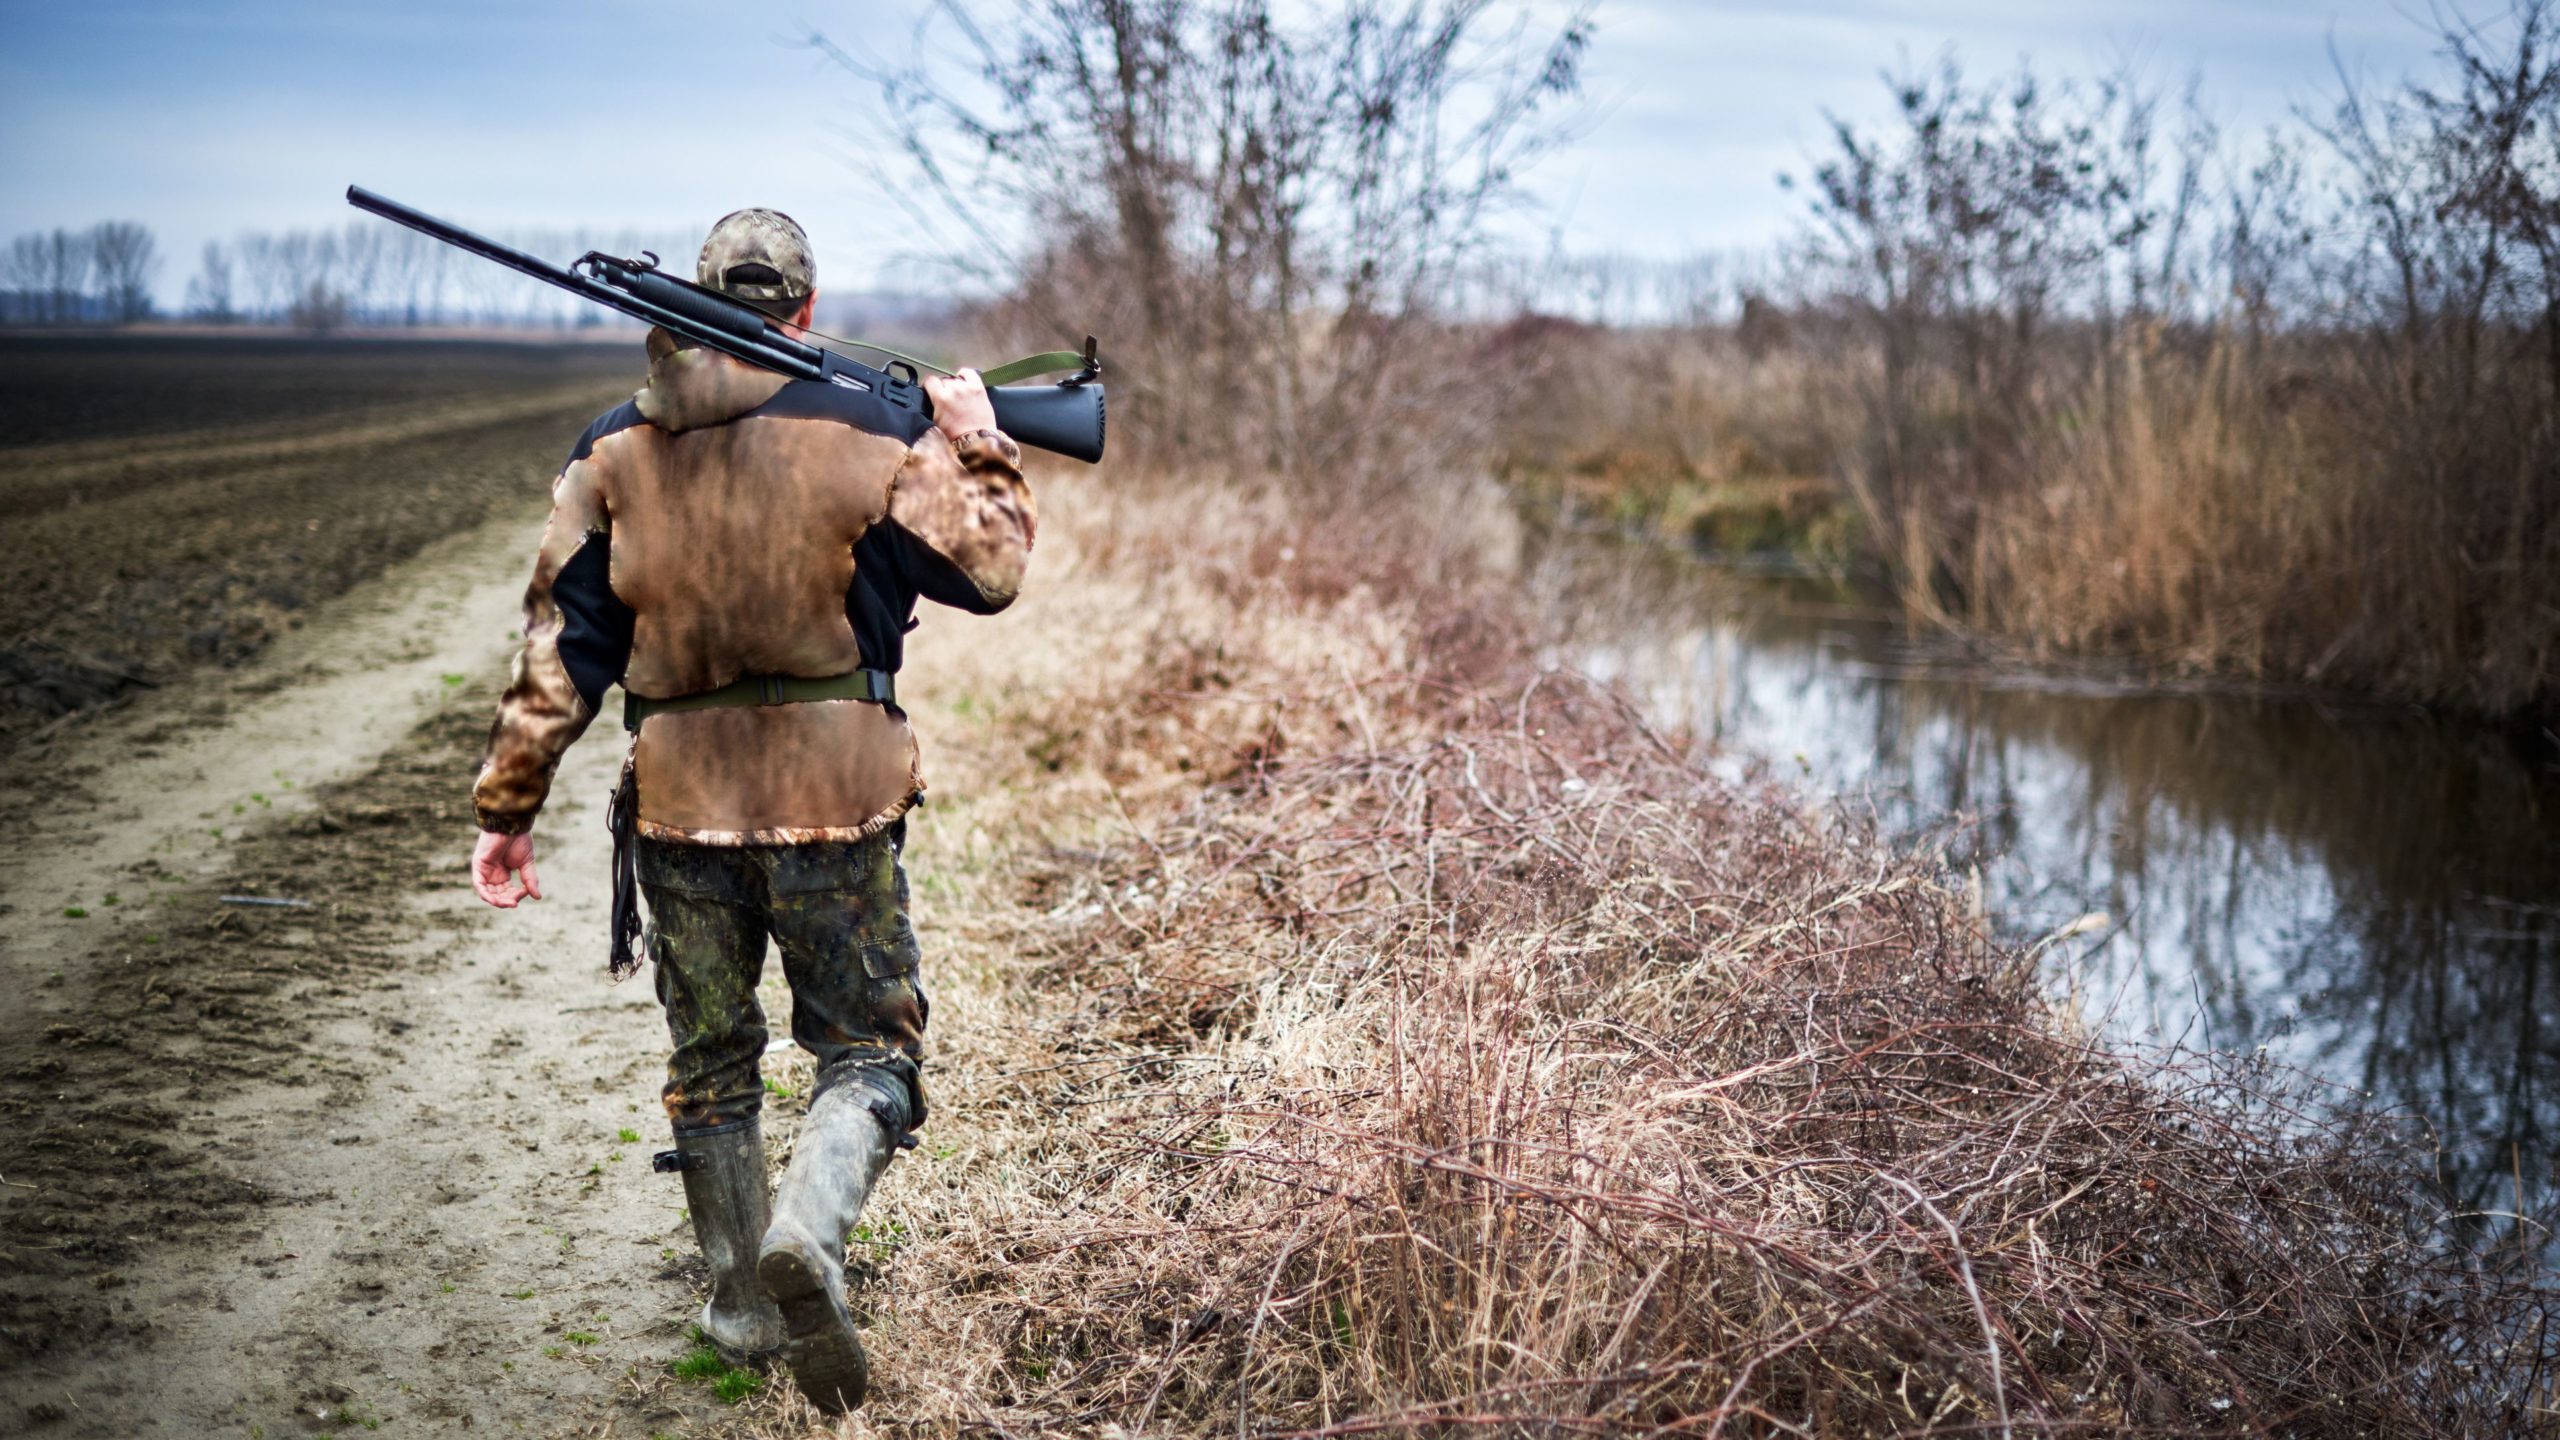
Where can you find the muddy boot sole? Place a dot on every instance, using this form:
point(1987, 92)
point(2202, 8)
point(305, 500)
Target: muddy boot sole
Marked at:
point(819, 1346)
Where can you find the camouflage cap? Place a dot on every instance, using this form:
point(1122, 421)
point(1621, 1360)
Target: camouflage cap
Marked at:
point(769, 240)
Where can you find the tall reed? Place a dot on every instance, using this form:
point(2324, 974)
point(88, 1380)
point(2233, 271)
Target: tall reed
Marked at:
point(2131, 390)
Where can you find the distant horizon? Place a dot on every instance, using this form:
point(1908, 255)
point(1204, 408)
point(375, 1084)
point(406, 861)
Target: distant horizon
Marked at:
point(203, 126)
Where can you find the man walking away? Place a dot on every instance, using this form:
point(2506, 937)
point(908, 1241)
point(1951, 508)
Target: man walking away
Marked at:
point(743, 554)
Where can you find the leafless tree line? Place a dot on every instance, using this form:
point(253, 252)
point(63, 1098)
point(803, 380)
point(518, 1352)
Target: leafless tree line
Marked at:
point(378, 275)
point(101, 275)
point(365, 273)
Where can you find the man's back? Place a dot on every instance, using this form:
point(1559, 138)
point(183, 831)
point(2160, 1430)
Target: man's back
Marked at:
point(728, 523)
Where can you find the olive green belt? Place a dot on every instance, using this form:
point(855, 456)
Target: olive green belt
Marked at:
point(877, 686)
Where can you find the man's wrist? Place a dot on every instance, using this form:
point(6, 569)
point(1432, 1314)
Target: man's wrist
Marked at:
point(985, 443)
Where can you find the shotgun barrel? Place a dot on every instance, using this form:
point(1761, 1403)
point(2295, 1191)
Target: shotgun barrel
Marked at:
point(1066, 418)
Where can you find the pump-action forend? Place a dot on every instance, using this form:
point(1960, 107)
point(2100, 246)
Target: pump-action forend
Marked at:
point(1066, 417)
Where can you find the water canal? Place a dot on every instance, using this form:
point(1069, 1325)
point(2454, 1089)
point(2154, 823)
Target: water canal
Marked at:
point(2370, 894)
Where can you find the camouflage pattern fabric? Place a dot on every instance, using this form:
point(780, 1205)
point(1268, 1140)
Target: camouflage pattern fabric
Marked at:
point(758, 238)
point(838, 912)
point(723, 523)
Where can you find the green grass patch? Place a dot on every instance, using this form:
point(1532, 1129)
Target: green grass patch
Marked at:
point(702, 1365)
point(882, 1241)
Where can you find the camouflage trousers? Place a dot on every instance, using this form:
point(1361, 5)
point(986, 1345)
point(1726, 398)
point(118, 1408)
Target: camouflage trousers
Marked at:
point(838, 912)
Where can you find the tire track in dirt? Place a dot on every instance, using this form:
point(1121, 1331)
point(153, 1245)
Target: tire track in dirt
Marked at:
point(90, 471)
point(362, 1164)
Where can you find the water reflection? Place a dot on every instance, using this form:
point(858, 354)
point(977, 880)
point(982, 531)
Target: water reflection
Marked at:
point(2372, 895)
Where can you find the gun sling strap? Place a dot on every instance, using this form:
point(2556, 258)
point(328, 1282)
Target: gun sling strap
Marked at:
point(1048, 362)
point(877, 686)
point(1083, 363)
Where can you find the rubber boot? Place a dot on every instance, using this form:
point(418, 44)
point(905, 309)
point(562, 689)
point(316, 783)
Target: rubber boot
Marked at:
point(841, 1152)
point(724, 1190)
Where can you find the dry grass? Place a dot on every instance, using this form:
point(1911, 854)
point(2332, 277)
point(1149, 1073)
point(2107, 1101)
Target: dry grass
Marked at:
point(2253, 516)
point(1344, 1029)
point(2188, 504)
point(1683, 433)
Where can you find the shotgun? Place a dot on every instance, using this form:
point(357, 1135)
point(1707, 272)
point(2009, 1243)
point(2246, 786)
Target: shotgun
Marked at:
point(1065, 418)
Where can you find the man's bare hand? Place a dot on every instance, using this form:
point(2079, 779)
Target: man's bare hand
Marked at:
point(502, 869)
point(960, 403)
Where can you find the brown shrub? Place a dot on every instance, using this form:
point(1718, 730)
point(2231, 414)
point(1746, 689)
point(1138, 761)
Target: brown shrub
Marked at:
point(1466, 1059)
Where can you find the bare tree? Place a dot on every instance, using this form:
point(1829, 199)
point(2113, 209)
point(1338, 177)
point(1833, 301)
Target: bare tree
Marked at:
point(1996, 240)
point(126, 257)
point(23, 275)
point(53, 269)
point(210, 294)
point(1269, 208)
point(313, 260)
point(2493, 139)
point(266, 270)
point(73, 260)
point(363, 258)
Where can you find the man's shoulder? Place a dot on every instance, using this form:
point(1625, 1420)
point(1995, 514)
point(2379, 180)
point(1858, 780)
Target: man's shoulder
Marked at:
point(621, 417)
point(863, 409)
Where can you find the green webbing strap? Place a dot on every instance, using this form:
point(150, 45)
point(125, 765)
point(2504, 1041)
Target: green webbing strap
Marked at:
point(1047, 362)
point(876, 686)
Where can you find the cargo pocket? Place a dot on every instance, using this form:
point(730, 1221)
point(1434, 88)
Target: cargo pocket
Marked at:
point(895, 989)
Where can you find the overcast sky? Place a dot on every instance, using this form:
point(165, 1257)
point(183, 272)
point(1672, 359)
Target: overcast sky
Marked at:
point(202, 120)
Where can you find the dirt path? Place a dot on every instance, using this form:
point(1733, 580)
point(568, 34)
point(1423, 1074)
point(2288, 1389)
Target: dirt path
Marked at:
point(376, 1163)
